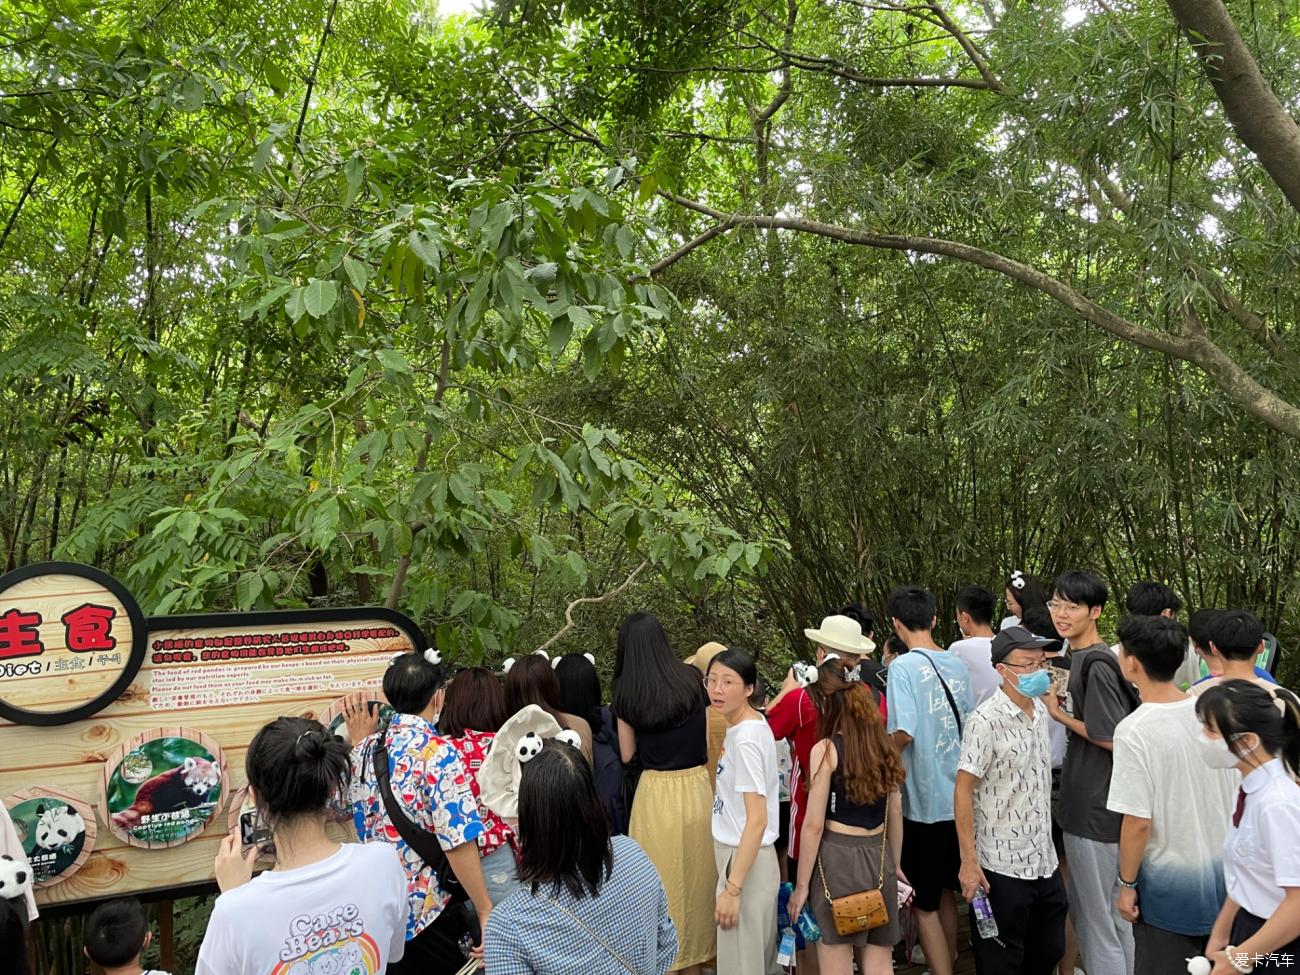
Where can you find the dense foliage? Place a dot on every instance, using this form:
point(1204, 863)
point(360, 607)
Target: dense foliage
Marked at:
point(758, 304)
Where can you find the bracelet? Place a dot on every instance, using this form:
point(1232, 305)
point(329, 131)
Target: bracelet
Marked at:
point(1125, 883)
point(727, 885)
point(1245, 967)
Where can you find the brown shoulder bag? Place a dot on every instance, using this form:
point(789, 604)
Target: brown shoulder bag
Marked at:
point(864, 910)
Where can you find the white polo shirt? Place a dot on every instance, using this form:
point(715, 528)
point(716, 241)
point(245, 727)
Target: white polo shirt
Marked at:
point(1261, 855)
point(1011, 754)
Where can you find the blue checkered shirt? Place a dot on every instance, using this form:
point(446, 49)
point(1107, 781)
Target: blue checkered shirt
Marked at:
point(528, 935)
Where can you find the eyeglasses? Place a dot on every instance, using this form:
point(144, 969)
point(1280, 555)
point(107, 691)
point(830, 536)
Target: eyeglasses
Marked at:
point(1061, 605)
point(719, 683)
point(1028, 668)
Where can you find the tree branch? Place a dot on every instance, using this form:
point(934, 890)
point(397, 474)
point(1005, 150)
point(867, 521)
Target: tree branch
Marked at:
point(568, 612)
point(967, 45)
point(311, 79)
point(1256, 114)
point(1198, 349)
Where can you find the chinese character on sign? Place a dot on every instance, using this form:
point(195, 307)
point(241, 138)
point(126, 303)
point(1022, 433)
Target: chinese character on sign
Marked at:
point(89, 627)
point(19, 636)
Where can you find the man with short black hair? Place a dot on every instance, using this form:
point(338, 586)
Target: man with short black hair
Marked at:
point(1175, 806)
point(1149, 598)
point(1002, 804)
point(430, 787)
point(929, 698)
point(1235, 640)
point(975, 622)
point(1152, 599)
point(1097, 699)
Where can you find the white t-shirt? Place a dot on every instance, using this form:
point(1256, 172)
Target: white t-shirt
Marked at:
point(747, 764)
point(1159, 775)
point(976, 652)
point(345, 915)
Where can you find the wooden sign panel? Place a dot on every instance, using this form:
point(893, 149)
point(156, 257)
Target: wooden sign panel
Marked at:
point(57, 830)
point(71, 641)
point(221, 676)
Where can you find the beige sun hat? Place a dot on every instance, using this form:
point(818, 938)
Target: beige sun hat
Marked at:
point(701, 657)
point(841, 633)
point(498, 780)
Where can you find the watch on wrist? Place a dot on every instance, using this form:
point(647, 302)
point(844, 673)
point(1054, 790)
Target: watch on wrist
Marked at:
point(1244, 966)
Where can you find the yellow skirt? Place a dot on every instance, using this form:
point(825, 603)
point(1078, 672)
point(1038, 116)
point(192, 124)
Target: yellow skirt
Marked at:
point(672, 820)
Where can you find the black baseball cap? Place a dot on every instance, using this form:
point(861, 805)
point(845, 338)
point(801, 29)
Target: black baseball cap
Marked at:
point(1020, 638)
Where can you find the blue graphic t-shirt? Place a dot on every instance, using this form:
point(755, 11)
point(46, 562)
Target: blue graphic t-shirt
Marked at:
point(919, 706)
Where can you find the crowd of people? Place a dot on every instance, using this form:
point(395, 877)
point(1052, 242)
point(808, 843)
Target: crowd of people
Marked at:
point(1121, 807)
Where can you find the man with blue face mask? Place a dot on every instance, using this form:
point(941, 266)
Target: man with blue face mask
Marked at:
point(1002, 804)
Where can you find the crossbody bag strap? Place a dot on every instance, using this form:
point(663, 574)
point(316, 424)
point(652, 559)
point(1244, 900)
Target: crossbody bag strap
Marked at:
point(424, 843)
point(597, 938)
point(952, 703)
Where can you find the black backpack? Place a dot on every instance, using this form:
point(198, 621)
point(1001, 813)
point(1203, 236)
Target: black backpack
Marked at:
point(1108, 659)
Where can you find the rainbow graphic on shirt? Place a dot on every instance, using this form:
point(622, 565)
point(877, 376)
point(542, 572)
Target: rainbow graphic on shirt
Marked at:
point(331, 943)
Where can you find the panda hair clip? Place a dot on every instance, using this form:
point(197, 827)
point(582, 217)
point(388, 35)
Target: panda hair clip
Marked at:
point(510, 661)
point(1017, 580)
point(431, 655)
point(556, 661)
point(15, 878)
point(530, 745)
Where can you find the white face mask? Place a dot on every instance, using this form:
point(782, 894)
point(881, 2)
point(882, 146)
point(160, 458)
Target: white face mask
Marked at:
point(1215, 751)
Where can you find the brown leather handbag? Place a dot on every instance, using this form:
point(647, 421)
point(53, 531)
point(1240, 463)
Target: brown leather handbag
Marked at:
point(864, 910)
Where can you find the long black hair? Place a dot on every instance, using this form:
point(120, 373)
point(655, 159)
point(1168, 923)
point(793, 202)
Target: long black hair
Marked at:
point(1031, 595)
point(653, 690)
point(296, 767)
point(13, 935)
point(563, 832)
point(1239, 707)
point(579, 687)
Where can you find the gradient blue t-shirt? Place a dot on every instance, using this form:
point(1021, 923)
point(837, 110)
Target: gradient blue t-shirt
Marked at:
point(1159, 775)
point(919, 706)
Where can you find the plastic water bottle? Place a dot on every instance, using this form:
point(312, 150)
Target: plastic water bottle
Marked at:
point(985, 923)
point(808, 926)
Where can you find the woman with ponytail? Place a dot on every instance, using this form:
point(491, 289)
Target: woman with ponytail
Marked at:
point(853, 827)
point(1256, 730)
point(321, 898)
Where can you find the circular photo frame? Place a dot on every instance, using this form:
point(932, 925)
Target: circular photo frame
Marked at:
point(163, 787)
point(57, 830)
point(332, 716)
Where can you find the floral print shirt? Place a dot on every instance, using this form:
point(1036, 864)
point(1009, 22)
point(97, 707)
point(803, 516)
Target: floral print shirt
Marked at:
point(473, 750)
point(432, 787)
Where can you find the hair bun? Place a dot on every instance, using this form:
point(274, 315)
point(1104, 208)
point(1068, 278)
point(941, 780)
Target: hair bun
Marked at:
point(310, 746)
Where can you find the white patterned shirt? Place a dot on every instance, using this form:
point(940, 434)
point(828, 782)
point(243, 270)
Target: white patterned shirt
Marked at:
point(1011, 755)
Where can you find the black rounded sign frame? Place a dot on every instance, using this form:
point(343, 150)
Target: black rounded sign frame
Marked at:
point(139, 644)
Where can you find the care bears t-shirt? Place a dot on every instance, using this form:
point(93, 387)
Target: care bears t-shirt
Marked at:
point(345, 915)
